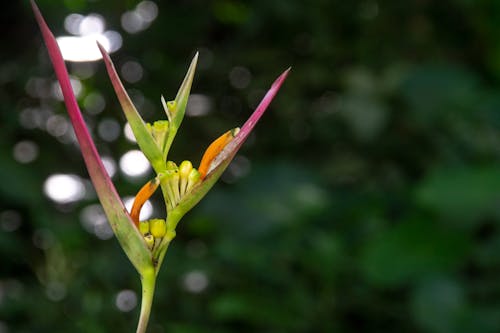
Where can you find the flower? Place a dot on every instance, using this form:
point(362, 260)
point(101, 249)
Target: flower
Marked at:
point(145, 242)
point(183, 186)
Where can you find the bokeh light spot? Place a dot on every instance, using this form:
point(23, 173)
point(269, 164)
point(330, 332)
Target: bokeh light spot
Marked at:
point(240, 77)
point(57, 125)
point(109, 165)
point(91, 25)
point(126, 300)
point(94, 103)
point(129, 135)
point(198, 105)
point(109, 129)
point(72, 23)
point(64, 188)
point(95, 222)
point(132, 71)
point(195, 281)
point(25, 151)
point(134, 164)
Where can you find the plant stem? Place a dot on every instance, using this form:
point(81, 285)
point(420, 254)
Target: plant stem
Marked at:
point(148, 280)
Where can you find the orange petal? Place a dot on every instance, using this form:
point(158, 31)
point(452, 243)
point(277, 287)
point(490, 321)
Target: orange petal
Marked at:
point(142, 196)
point(214, 149)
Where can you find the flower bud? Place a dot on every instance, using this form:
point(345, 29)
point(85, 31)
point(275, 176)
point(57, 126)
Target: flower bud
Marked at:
point(171, 165)
point(193, 178)
point(184, 170)
point(157, 228)
point(144, 227)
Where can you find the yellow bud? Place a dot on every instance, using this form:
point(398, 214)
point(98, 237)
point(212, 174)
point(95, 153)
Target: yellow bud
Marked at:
point(193, 178)
point(144, 227)
point(157, 227)
point(184, 170)
point(171, 165)
point(174, 183)
point(172, 107)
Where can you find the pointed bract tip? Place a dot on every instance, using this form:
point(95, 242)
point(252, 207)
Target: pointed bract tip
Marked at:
point(281, 78)
point(103, 51)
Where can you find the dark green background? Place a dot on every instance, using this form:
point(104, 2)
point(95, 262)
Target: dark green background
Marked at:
point(372, 201)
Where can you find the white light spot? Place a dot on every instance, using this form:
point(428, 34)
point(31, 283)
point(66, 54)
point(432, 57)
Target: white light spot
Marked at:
point(84, 48)
point(148, 11)
point(108, 129)
point(57, 125)
point(134, 164)
point(115, 40)
point(38, 87)
point(10, 220)
point(91, 25)
point(132, 71)
point(198, 105)
point(240, 77)
point(31, 118)
point(94, 103)
point(132, 22)
point(109, 165)
point(126, 300)
point(195, 281)
point(25, 151)
point(72, 23)
point(64, 188)
point(146, 211)
point(129, 135)
point(95, 222)
point(76, 85)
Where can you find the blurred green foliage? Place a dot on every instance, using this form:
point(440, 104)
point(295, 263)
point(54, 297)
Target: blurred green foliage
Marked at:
point(368, 199)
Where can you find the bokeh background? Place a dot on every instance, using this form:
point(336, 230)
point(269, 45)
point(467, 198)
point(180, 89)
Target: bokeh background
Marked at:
point(367, 200)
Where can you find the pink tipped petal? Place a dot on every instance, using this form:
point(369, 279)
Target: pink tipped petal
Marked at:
point(141, 133)
point(123, 227)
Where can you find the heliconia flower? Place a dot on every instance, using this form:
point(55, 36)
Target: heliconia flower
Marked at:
point(183, 186)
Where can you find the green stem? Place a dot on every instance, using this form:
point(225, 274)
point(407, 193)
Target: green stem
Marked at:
point(148, 280)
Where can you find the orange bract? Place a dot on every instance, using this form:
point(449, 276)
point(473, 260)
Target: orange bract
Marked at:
point(213, 150)
point(142, 196)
